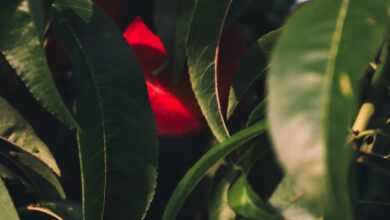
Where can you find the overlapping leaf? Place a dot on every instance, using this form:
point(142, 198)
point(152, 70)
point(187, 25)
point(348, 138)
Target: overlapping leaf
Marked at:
point(206, 29)
point(15, 130)
point(313, 95)
point(20, 43)
point(117, 141)
point(197, 172)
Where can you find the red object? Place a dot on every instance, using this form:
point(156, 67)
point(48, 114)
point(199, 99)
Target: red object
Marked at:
point(175, 108)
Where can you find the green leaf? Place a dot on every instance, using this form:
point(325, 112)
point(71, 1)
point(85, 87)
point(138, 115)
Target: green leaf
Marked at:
point(46, 184)
point(197, 172)
point(313, 95)
point(174, 31)
point(58, 210)
point(219, 207)
point(117, 139)
point(245, 202)
point(38, 12)
point(32, 172)
point(20, 44)
point(251, 72)
point(206, 29)
point(15, 130)
point(83, 8)
point(7, 207)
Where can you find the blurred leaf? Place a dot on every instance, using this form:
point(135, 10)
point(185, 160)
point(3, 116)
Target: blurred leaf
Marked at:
point(83, 8)
point(117, 139)
point(197, 172)
point(19, 42)
point(8, 211)
point(15, 130)
point(37, 8)
point(245, 202)
point(288, 200)
point(206, 29)
point(58, 210)
point(312, 88)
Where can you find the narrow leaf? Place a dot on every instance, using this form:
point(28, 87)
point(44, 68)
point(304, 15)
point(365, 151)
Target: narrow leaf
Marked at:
point(313, 95)
point(206, 29)
point(7, 207)
point(58, 210)
point(21, 46)
point(15, 130)
point(197, 172)
point(117, 139)
point(32, 172)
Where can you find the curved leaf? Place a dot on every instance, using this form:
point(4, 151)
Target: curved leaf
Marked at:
point(58, 210)
point(206, 29)
point(21, 46)
point(7, 207)
point(313, 96)
point(219, 207)
point(15, 130)
point(245, 202)
point(32, 172)
point(197, 172)
point(117, 139)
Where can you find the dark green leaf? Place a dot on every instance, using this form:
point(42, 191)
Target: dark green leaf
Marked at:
point(174, 29)
point(83, 8)
point(8, 211)
point(257, 113)
point(313, 96)
point(117, 140)
point(15, 130)
point(37, 8)
point(197, 172)
point(46, 184)
point(32, 172)
point(206, 29)
point(252, 69)
point(20, 44)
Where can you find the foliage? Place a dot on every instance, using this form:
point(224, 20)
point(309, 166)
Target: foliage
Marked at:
point(294, 96)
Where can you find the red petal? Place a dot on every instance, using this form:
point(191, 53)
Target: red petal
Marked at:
point(174, 117)
point(147, 46)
